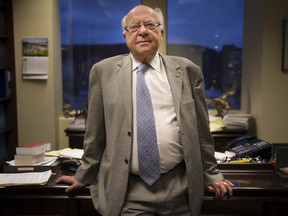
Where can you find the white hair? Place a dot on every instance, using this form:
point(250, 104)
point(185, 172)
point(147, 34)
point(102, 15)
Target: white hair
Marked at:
point(158, 13)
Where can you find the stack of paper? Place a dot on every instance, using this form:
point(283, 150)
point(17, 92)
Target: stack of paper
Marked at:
point(66, 153)
point(236, 121)
point(31, 178)
point(78, 125)
point(47, 164)
point(223, 157)
point(216, 124)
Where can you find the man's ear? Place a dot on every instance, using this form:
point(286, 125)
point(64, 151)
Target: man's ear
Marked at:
point(162, 34)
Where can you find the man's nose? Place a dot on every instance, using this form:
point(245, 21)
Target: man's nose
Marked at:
point(142, 29)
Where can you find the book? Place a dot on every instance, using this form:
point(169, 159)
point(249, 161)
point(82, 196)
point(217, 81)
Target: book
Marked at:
point(33, 148)
point(29, 159)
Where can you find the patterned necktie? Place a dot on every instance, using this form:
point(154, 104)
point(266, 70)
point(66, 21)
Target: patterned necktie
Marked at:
point(148, 156)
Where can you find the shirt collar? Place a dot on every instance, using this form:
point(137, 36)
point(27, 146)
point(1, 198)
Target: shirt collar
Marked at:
point(155, 62)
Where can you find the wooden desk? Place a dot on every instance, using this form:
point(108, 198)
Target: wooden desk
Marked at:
point(258, 192)
point(221, 138)
point(48, 200)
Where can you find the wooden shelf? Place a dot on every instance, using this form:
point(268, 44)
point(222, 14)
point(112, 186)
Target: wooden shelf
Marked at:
point(8, 100)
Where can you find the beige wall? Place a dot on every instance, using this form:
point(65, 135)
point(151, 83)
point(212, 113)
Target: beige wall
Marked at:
point(39, 101)
point(264, 85)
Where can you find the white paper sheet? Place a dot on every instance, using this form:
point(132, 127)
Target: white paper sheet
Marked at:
point(28, 178)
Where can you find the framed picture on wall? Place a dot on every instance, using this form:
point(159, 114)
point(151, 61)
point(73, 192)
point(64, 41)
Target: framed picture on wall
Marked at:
point(285, 46)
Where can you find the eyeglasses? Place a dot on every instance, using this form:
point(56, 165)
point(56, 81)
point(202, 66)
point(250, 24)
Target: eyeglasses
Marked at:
point(135, 27)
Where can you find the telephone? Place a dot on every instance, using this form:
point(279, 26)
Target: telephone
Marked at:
point(250, 146)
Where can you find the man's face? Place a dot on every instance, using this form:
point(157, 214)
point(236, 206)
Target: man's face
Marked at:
point(143, 43)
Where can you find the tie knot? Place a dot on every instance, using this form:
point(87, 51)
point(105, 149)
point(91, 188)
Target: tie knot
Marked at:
point(143, 67)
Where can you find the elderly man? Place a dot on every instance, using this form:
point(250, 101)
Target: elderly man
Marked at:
point(147, 148)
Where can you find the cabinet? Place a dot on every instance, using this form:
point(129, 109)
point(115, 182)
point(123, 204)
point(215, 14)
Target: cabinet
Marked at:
point(258, 191)
point(221, 138)
point(47, 200)
point(8, 110)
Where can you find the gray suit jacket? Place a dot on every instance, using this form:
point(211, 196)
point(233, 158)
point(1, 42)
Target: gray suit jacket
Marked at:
point(108, 137)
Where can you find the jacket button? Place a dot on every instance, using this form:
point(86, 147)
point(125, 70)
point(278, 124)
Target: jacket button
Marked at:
point(129, 133)
point(126, 161)
point(107, 159)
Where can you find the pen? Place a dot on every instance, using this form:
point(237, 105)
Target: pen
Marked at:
point(240, 161)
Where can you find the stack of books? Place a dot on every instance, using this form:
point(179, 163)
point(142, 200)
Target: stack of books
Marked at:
point(31, 154)
point(237, 121)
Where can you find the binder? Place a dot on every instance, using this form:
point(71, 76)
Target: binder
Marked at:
point(7, 168)
point(18, 169)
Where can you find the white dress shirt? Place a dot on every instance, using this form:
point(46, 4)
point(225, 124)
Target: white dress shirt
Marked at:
point(167, 128)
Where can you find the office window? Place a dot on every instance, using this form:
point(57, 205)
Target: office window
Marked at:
point(90, 31)
point(209, 32)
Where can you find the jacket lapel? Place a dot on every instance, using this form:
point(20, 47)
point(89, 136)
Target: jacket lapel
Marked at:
point(124, 76)
point(175, 79)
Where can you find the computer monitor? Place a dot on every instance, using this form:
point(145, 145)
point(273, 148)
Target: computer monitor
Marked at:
point(3, 152)
point(280, 155)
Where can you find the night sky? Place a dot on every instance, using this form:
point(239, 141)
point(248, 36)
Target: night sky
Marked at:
point(203, 22)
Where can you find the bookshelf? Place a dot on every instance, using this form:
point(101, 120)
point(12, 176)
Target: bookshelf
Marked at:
point(8, 105)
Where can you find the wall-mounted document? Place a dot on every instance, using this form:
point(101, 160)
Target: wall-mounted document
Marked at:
point(35, 58)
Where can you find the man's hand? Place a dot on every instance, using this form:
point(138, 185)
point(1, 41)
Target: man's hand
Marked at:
point(221, 188)
point(71, 181)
